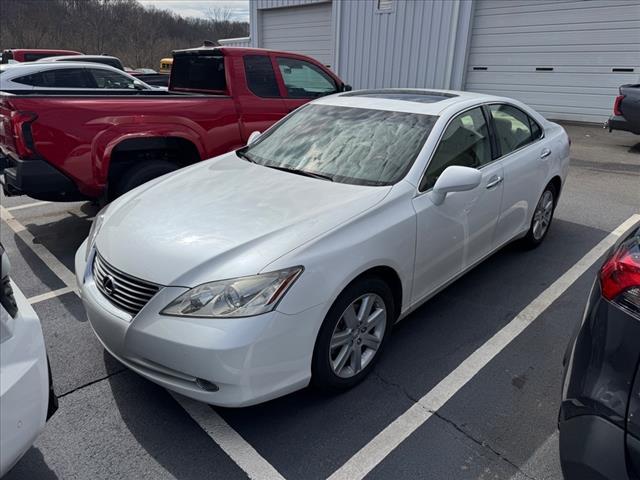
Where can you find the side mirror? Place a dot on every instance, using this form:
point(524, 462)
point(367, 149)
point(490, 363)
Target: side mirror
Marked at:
point(138, 85)
point(455, 179)
point(346, 88)
point(253, 137)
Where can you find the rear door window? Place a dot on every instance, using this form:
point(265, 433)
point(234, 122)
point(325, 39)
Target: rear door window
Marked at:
point(304, 79)
point(198, 72)
point(261, 79)
point(513, 127)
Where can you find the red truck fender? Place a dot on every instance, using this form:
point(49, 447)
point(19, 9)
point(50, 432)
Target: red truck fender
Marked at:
point(163, 134)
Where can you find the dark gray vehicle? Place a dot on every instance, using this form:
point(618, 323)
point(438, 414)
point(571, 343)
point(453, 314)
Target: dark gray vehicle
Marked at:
point(626, 110)
point(599, 417)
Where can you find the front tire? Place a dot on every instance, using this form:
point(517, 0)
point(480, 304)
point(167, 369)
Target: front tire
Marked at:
point(353, 335)
point(542, 217)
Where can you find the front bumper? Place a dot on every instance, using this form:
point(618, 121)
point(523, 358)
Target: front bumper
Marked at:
point(250, 359)
point(37, 179)
point(617, 122)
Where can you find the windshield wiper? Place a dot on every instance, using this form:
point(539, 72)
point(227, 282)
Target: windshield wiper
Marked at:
point(303, 172)
point(242, 154)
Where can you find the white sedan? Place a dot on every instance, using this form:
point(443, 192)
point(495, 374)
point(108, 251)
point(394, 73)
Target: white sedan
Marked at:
point(250, 275)
point(26, 394)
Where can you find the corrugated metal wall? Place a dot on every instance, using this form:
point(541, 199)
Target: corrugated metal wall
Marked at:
point(416, 44)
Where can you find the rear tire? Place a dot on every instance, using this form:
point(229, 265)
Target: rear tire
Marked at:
point(542, 217)
point(139, 174)
point(361, 318)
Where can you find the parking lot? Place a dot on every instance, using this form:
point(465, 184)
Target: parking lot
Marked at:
point(468, 389)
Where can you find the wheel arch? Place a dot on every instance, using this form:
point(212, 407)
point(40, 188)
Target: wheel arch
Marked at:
point(128, 151)
point(387, 274)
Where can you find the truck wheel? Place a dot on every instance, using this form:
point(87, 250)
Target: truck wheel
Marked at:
point(139, 174)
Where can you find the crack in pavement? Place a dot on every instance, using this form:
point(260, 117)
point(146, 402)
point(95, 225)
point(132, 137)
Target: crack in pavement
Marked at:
point(93, 382)
point(480, 443)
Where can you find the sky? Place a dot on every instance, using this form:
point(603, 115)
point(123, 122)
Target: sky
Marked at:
point(199, 8)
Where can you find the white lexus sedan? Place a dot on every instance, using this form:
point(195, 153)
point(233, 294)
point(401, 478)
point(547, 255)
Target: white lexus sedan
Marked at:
point(287, 262)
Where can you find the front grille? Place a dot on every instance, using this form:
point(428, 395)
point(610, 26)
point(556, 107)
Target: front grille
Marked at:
point(124, 291)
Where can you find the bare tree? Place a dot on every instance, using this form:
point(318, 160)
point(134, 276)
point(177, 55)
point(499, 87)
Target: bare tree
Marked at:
point(139, 36)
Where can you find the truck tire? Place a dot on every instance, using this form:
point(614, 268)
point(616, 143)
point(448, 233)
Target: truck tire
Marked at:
point(139, 174)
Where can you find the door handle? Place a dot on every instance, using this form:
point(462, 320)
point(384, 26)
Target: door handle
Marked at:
point(545, 153)
point(494, 181)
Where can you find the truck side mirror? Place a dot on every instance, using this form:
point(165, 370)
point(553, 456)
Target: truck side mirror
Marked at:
point(253, 137)
point(346, 87)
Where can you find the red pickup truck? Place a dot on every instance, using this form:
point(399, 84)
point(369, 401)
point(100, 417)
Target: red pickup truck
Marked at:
point(73, 145)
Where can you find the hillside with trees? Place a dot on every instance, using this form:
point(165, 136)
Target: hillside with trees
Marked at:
point(139, 35)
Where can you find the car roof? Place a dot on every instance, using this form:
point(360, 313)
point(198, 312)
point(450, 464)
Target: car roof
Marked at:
point(410, 100)
point(74, 57)
point(34, 67)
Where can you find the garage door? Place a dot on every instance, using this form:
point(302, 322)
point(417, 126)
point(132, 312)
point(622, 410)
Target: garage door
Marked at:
point(564, 58)
point(305, 29)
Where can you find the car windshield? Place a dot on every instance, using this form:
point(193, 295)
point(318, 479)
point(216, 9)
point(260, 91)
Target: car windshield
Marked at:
point(344, 144)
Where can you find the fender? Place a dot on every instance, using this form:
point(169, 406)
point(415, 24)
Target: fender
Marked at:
point(103, 144)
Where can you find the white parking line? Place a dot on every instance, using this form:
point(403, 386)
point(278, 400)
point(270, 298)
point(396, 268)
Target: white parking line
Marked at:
point(240, 451)
point(393, 435)
point(27, 205)
point(46, 296)
point(56, 266)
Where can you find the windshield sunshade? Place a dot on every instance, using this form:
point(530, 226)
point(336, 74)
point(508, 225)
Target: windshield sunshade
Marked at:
point(349, 145)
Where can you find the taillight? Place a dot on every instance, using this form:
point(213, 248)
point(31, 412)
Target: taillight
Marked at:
point(620, 275)
point(22, 136)
point(616, 105)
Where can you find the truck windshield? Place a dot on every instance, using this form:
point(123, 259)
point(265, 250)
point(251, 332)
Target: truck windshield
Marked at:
point(198, 72)
point(349, 145)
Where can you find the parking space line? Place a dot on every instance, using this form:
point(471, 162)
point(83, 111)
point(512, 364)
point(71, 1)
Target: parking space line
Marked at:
point(27, 205)
point(365, 460)
point(236, 447)
point(48, 295)
point(56, 266)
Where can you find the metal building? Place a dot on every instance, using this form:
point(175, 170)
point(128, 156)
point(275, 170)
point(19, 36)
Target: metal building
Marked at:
point(566, 58)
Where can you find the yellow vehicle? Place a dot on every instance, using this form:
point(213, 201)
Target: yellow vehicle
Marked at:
point(165, 65)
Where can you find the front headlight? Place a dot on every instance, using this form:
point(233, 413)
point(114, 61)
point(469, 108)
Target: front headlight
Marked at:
point(237, 297)
point(93, 232)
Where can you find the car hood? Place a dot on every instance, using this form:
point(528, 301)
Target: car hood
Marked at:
point(222, 218)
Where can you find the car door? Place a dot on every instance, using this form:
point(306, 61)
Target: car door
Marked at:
point(523, 155)
point(260, 103)
point(459, 232)
point(303, 81)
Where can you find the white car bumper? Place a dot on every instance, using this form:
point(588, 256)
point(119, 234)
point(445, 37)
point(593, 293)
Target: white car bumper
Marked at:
point(250, 360)
point(24, 383)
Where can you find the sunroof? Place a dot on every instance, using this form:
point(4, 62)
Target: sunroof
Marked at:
point(420, 96)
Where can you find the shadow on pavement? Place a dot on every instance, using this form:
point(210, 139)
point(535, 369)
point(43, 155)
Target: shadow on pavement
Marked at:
point(31, 466)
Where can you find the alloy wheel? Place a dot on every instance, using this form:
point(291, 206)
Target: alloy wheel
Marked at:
point(358, 335)
point(542, 215)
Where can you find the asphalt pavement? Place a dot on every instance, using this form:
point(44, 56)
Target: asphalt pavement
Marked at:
point(500, 423)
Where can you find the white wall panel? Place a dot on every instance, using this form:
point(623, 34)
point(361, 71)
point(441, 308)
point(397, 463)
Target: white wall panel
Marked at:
point(593, 46)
